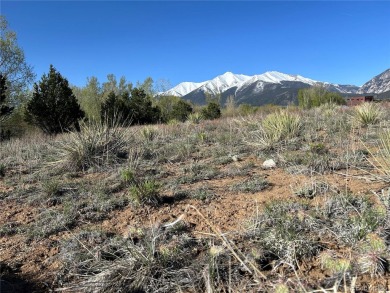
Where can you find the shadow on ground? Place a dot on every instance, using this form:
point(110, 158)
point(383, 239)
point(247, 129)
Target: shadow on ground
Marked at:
point(11, 282)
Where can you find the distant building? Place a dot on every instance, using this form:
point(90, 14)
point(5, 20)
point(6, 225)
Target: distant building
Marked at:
point(353, 101)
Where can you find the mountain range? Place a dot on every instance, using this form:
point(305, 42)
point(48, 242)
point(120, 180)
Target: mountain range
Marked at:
point(271, 87)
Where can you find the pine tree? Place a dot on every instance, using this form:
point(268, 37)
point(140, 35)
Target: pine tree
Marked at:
point(142, 109)
point(5, 110)
point(134, 107)
point(116, 110)
point(53, 107)
point(211, 111)
point(181, 110)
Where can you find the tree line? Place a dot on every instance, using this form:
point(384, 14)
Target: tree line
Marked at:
point(54, 106)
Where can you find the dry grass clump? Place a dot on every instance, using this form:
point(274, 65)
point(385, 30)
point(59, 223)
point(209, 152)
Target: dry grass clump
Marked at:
point(285, 232)
point(95, 145)
point(148, 261)
point(252, 185)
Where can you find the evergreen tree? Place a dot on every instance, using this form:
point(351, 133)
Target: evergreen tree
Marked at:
point(211, 111)
point(181, 110)
point(53, 107)
point(116, 109)
point(142, 109)
point(130, 108)
point(5, 109)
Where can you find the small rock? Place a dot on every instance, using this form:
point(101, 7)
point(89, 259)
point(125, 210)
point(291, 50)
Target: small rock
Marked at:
point(235, 158)
point(268, 164)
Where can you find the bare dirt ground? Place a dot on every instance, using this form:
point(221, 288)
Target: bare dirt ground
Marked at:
point(30, 260)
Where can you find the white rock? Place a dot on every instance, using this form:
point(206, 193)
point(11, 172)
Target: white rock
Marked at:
point(235, 158)
point(268, 164)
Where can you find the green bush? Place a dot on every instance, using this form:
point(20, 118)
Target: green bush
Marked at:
point(129, 108)
point(142, 109)
point(5, 109)
point(181, 110)
point(53, 107)
point(116, 109)
point(211, 111)
point(318, 95)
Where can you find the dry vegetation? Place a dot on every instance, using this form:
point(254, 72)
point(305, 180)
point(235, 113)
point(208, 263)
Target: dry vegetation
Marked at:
point(188, 207)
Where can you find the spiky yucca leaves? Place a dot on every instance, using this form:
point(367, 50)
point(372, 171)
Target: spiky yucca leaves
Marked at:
point(149, 133)
point(95, 145)
point(252, 185)
point(311, 189)
point(381, 158)
point(276, 128)
point(145, 192)
point(367, 113)
point(282, 125)
point(195, 118)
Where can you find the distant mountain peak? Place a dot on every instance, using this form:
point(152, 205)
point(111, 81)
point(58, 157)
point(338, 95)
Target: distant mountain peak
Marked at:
point(379, 84)
point(268, 87)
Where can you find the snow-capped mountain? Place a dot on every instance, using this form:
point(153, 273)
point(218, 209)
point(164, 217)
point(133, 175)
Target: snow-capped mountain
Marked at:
point(269, 87)
point(183, 88)
point(379, 84)
point(223, 82)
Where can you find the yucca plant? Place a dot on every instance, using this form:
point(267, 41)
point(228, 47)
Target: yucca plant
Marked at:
point(278, 127)
point(385, 150)
point(367, 113)
point(381, 159)
point(195, 118)
point(149, 133)
point(94, 145)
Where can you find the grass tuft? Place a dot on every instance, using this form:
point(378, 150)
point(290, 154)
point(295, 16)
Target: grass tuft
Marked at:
point(95, 145)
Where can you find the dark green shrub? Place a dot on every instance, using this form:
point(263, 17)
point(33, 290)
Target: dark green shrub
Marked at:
point(5, 109)
point(180, 111)
point(142, 109)
point(53, 107)
point(211, 111)
point(116, 110)
point(134, 107)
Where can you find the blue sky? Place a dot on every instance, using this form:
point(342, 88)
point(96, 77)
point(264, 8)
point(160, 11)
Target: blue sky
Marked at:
point(340, 42)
